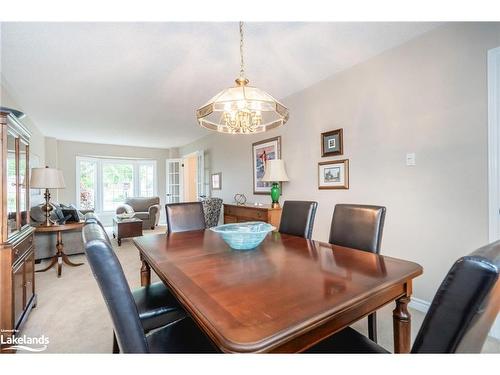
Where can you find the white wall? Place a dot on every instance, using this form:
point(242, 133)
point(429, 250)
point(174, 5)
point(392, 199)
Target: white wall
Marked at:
point(67, 152)
point(428, 96)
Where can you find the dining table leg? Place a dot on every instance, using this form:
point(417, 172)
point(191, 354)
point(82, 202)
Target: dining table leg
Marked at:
point(402, 325)
point(145, 273)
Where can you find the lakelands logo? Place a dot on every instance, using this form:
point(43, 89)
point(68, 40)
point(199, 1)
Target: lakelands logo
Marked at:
point(27, 343)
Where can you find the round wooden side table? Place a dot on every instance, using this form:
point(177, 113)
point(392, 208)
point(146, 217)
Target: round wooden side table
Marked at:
point(60, 256)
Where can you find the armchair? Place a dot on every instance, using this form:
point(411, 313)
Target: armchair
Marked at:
point(147, 209)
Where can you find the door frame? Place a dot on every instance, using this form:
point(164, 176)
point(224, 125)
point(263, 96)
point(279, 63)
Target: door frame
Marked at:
point(494, 143)
point(181, 178)
point(200, 173)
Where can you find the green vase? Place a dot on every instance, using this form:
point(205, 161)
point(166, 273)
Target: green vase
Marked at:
point(275, 193)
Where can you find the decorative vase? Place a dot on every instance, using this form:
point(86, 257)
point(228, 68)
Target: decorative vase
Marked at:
point(275, 194)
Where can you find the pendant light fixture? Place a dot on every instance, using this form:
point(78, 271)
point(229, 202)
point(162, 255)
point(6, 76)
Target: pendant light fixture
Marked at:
point(242, 109)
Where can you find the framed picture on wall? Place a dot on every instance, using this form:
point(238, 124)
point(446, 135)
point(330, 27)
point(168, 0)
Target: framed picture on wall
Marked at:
point(217, 181)
point(262, 151)
point(333, 174)
point(332, 143)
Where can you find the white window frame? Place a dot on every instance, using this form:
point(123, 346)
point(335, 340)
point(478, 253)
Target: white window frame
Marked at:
point(99, 189)
point(137, 188)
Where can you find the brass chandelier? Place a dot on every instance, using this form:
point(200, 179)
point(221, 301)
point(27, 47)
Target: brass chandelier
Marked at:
point(242, 109)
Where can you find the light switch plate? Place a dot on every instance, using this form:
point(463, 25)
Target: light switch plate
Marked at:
point(410, 159)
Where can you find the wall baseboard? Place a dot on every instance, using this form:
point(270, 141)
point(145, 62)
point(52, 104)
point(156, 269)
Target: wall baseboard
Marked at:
point(419, 304)
point(423, 306)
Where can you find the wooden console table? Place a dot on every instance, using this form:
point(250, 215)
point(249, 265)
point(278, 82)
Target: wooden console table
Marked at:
point(235, 213)
point(60, 256)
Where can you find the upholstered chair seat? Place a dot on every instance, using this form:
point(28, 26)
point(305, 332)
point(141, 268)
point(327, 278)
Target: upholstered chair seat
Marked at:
point(156, 306)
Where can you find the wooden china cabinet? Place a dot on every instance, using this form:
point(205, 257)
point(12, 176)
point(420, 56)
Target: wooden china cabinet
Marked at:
point(17, 261)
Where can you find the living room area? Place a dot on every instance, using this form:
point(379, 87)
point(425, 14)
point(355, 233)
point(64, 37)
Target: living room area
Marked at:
point(127, 187)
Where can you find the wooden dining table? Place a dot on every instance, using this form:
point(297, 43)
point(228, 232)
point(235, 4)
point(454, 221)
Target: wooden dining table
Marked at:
point(284, 296)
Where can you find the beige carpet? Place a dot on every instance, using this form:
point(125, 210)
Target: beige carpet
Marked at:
point(72, 313)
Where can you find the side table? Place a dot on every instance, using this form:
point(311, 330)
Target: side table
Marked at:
point(126, 228)
point(60, 256)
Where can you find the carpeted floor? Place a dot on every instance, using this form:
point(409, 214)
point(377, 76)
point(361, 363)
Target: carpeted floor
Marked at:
point(72, 313)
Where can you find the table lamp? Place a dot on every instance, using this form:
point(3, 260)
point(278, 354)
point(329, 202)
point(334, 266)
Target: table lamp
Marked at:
point(275, 173)
point(47, 178)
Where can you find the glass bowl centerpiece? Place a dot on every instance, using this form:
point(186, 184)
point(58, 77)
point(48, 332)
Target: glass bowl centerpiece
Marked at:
point(244, 236)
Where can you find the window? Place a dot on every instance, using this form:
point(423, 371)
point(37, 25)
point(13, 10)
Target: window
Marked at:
point(88, 184)
point(117, 184)
point(103, 184)
point(146, 180)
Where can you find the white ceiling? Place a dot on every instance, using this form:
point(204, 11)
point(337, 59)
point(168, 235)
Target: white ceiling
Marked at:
point(140, 83)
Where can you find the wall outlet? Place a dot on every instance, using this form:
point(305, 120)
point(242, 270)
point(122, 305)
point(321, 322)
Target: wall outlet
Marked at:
point(410, 159)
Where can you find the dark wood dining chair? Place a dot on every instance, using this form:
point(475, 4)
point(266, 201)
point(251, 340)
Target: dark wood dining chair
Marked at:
point(181, 335)
point(183, 217)
point(297, 218)
point(459, 318)
point(156, 306)
point(359, 227)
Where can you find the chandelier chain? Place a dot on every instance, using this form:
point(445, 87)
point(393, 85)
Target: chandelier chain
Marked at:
point(242, 67)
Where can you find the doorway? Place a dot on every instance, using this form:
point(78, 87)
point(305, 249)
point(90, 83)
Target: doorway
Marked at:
point(185, 178)
point(190, 178)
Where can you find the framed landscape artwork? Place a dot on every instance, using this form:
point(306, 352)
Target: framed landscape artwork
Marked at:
point(332, 143)
point(333, 174)
point(217, 181)
point(262, 151)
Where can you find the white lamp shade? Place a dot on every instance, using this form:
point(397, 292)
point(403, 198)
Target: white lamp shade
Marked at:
point(47, 178)
point(275, 171)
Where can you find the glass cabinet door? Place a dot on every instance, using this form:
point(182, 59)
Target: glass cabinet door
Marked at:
point(23, 192)
point(12, 202)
